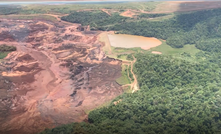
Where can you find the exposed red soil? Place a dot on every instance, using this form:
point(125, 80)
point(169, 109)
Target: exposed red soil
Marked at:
point(128, 13)
point(57, 74)
point(106, 11)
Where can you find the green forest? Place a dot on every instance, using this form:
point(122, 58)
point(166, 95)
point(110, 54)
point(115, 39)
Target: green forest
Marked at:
point(7, 10)
point(98, 20)
point(145, 15)
point(176, 96)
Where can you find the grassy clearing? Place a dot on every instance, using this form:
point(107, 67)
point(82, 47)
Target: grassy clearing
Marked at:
point(121, 53)
point(29, 17)
point(166, 49)
point(119, 50)
point(3, 55)
point(123, 80)
point(122, 57)
point(127, 89)
point(187, 53)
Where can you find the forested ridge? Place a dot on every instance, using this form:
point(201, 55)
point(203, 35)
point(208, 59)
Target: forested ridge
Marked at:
point(7, 10)
point(98, 20)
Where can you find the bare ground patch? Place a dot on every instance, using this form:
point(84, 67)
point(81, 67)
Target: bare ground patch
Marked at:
point(128, 13)
point(52, 83)
point(156, 52)
point(106, 11)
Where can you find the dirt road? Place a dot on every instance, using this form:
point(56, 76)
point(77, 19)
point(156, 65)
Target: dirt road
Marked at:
point(106, 11)
point(134, 85)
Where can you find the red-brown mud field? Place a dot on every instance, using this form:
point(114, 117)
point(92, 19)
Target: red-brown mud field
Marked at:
point(58, 73)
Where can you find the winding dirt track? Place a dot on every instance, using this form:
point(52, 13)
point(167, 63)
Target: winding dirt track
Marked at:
point(134, 85)
point(106, 11)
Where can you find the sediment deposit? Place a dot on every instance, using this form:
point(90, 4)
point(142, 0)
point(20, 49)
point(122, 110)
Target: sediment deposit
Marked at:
point(58, 73)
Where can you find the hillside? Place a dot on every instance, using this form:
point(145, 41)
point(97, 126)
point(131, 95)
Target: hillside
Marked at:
point(133, 67)
point(179, 93)
point(175, 96)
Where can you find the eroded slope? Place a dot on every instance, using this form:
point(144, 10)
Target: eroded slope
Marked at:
point(58, 73)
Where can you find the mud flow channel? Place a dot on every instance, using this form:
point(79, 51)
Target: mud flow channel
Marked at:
point(58, 73)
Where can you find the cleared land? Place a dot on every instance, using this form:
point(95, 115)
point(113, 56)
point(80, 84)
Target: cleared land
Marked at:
point(131, 41)
point(166, 49)
point(128, 13)
point(3, 54)
point(156, 52)
point(124, 79)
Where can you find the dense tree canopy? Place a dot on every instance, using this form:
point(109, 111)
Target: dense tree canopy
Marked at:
point(144, 15)
point(85, 18)
point(96, 19)
point(211, 45)
point(6, 10)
